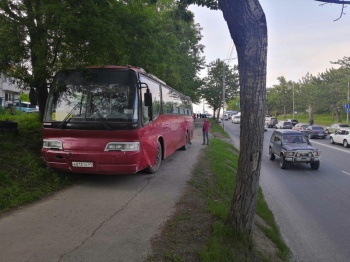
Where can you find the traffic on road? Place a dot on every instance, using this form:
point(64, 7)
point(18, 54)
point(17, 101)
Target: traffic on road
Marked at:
point(312, 207)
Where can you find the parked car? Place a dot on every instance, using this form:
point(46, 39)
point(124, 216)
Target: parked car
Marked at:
point(236, 119)
point(316, 132)
point(292, 147)
point(272, 122)
point(26, 107)
point(284, 125)
point(341, 136)
point(293, 121)
point(335, 127)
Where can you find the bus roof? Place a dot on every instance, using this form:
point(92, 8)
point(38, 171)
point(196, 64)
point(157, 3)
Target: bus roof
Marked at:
point(135, 68)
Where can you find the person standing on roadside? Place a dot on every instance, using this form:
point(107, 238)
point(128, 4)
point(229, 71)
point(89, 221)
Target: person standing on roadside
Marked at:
point(205, 129)
point(311, 121)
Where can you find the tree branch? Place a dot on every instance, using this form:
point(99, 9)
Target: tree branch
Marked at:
point(341, 2)
point(335, 2)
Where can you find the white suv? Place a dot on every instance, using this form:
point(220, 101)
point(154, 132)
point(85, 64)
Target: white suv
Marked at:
point(341, 136)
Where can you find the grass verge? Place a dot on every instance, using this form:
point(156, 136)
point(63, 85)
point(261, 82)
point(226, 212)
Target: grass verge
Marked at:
point(198, 230)
point(322, 119)
point(23, 175)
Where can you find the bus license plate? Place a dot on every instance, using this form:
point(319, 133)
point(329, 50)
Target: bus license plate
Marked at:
point(82, 164)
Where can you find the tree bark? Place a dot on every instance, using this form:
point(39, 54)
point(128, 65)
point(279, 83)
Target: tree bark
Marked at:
point(247, 25)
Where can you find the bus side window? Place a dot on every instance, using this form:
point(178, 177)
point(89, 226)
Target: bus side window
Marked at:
point(154, 89)
point(145, 117)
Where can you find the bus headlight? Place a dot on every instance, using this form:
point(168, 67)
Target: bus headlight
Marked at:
point(123, 146)
point(52, 144)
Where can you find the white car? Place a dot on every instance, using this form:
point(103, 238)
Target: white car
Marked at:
point(236, 119)
point(341, 136)
point(284, 125)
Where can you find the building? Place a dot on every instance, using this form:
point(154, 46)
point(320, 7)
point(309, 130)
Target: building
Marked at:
point(9, 92)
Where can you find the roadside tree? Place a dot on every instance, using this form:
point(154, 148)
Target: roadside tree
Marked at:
point(283, 95)
point(333, 91)
point(213, 85)
point(248, 28)
point(40, 37)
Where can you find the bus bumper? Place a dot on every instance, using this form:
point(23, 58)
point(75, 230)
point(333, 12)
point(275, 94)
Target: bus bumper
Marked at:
point(106, 163)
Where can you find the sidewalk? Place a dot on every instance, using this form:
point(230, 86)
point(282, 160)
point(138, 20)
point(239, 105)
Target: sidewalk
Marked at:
point(107, 218)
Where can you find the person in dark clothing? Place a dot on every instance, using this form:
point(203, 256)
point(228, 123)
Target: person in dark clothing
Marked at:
point(311, 121)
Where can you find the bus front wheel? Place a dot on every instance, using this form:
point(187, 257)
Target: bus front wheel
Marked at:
point(154, 169)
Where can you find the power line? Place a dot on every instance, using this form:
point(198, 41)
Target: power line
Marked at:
point(229, 51)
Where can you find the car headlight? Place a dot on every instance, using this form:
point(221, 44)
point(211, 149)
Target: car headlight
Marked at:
point(52, 144)
point(289, 153)
point(317, 153)
point(123, 146)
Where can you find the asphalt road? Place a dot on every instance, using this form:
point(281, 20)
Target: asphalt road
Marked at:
point(311, 207)
point(107, 218)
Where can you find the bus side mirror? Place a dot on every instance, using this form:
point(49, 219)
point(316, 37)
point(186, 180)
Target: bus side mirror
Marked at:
point(148, 98)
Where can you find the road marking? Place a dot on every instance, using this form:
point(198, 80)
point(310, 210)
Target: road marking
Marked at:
point(333, 147)
point(346, 173)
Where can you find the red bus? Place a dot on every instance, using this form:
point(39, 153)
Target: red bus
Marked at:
point(113, 120)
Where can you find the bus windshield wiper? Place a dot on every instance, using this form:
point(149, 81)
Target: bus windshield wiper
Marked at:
point(104, 120)
point(68, 116)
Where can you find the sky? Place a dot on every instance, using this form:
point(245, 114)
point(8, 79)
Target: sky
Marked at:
point(302, 37)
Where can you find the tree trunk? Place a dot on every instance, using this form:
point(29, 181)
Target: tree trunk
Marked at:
point(42, 97)
point(247, 24)
point(311, 111)
point(337, 114)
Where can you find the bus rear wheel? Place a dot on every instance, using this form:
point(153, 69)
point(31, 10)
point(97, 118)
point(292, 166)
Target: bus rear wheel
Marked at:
point(187, 142)
point(154, 169)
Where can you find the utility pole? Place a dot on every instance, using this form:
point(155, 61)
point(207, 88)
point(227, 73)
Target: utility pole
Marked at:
point(223, 96)
point(347, 109)
point(293, 101)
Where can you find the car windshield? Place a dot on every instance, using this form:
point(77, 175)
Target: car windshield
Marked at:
point(294, 139)
point(317, 128)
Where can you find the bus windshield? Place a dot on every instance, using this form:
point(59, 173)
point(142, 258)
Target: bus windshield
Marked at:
point(93, 95)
